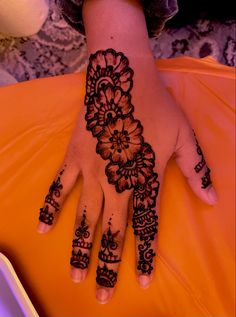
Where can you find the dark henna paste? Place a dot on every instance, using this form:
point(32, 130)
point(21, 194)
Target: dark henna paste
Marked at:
point(202, 163)
point(46, 215)
point(206, 179)
point(80, 259)
point(108, 245)
point(107, 277)
point(131, 163)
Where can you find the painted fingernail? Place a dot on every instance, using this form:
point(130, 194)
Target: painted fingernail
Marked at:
point(43, 227)
point(144, 281)
point(76, 275)
point(102, 295)
point(212, 196)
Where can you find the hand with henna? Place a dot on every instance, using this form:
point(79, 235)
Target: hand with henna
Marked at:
point(128, 129)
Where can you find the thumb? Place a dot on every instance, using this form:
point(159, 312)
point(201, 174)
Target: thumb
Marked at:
point(190, 159)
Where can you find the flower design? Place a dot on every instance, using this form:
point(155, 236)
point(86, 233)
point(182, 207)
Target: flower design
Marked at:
point(109, 104)
point(110, 118)
point(120, 140)
point(134, 172)
point(107, 68)
point(145, 194)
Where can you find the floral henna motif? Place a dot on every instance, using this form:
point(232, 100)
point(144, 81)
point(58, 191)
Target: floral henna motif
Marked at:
point(131, 164)
point(107, 277)
point(145, 195)
point(121, 140)
point(80, 259)
point(206, 179)
point(134, 173)
point(110, 104)
point(46, 215)
point(107, 68)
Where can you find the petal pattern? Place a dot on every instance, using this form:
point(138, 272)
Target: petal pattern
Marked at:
point(131, 163)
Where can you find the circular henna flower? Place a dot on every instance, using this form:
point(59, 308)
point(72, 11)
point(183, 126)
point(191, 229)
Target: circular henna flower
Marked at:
point(134, 172)
point(145, 194)
point(110, 103)
point(120, 140)
point(107, 68)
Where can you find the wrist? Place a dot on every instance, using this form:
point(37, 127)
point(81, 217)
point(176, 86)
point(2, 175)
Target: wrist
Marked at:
point(117, 24)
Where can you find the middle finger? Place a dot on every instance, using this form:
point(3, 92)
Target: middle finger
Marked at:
point(113, 228)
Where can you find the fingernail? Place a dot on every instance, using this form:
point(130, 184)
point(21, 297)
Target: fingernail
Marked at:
point(144, 281)
point(43, 227)
point(102, 295)
point(212, 196)
point(76, 275)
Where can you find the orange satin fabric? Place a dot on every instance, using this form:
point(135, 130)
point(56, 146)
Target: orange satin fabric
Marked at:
point(195, 265)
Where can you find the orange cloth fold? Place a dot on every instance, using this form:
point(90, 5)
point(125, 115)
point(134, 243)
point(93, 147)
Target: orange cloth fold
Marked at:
point(196, 251)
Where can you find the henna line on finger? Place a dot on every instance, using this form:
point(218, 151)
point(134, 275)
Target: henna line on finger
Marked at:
point(107, 277)
point(46, 216)
point(80, 259)
point(206, 179)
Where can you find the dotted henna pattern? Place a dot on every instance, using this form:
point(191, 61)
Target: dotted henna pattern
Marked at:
point(131, 160)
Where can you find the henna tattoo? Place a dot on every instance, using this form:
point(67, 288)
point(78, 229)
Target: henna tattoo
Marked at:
point(202, 163)
point(46, 215)
point(206, 179)
point(108, 245)
point(109, 117)
point(107, 277)
point(80, 259)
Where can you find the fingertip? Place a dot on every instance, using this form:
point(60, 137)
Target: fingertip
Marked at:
point(43, 227)
point(77, 275)
point(103, 296)
point(144, 281)
point(212, 196)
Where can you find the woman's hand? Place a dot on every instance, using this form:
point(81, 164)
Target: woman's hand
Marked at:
point(133, 144)
point(133, 124)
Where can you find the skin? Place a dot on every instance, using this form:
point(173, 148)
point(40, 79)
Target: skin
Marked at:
point(106, 27)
